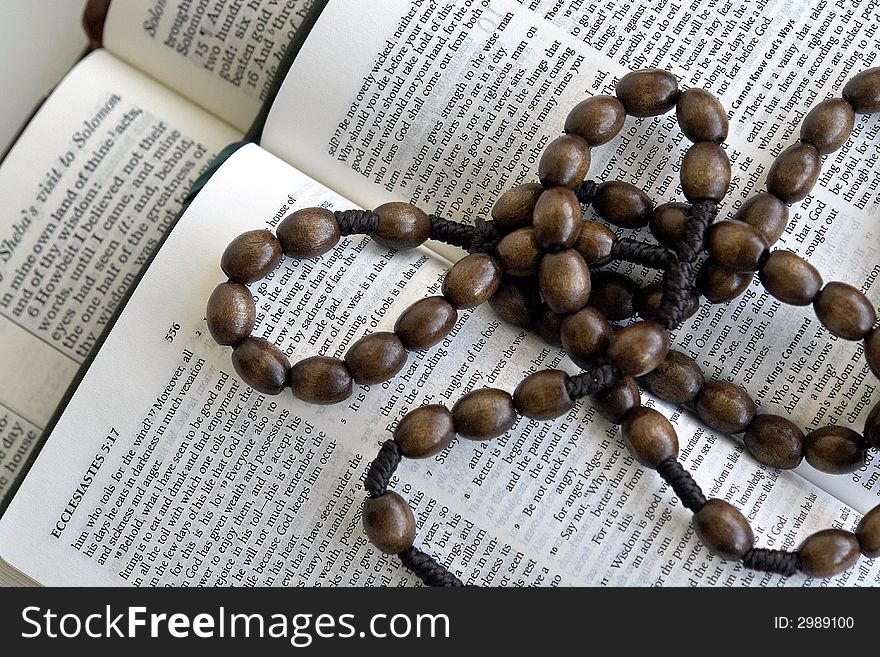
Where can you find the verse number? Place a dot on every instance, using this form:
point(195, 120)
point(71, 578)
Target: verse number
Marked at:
point(172, 332)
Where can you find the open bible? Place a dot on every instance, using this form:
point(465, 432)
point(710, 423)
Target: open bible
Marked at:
point(161, 467)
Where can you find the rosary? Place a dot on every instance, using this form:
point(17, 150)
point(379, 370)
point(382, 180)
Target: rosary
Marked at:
point(532, 262)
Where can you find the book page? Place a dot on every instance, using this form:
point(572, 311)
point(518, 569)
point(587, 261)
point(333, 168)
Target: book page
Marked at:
point(222, 54)
point(89, 190)
point(449, 105)
point(190, 477)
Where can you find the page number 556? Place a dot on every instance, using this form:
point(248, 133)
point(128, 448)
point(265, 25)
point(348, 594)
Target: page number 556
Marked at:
point(172, 332)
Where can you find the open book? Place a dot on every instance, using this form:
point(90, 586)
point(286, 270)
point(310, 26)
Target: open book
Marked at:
point(163, 468)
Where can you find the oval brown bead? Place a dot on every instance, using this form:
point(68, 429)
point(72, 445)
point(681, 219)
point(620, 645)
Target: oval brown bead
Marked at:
point(775, 441)
point(261, 365)
point(613, 295)
point(736, 245)
point(828, 125)
point(565, 162)
point(308, 233)
point(794, 173)
point(543, 395)
point(564, 280)
point(594, 243)
point(517, 302)
point(835, 450)
point(868, 533)
point(648, 92)
point(401, 225)
point(828, 552)
point(719, 284)
point(615, 401)
point(701, 116)
point(548, 326)
point(596, 120)
point(863, 91)
point(557, 219)
point(677, 379)
point(320, 380)
point(639, 348)
point(723, 529)
point(872, 427)
point(844, 311)
point(725, 406)
point(230, 313)
point(649, 298)
point(790, 278)
point(250, 256)
point(872, 351)
point(650, 437)
point(484, 414)
point(375, 358)
point(519, 253)
point(514, 208)
point(667, 223)
point(585, 335)
point(425, 431)
point(472, 280)
point(425, 322)
point(705, 172)
point(389, 523)
point(622, 204)
point(766, 213)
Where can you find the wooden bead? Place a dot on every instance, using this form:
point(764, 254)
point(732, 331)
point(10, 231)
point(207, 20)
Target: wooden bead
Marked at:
point(622, 204)
point(375, 358)
point(261, 365)
point(790, 278)
point(794, 173)
point(564, 279)
point(596, 120)
point(835, 450)
point(648, 92)
point(595, 243)
point(613, 295)
point(677, 379)
point(872, 427)
point(736, 245)
point(230, 313)
point(648, 300)
point(766, 213)
point(401, 225)
point(425, 431)
point(828, 552)
point(557, 219)
point(308, 233)
point(701, 116)
point(484, 414)
point(585, 335)
point(863, 91)
point(472, 280)
point(514, 208)
point(775, 441)
point(724, 530)
point(705, 172)
point(615, 401)
point(565, 162)
point(725, 406)
point(828, 125)
point(519, 253)
point(844, 311)
point(320, 380)
point(639, 348)
point(650, 437)
point(872, 351)
point(250, 256)
point(548, 326)
point(543, 395)
point(719, 284)
point(868, 533)
point(667, 223)
point(389, 523)
point(425, 322)
point(517, 302)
